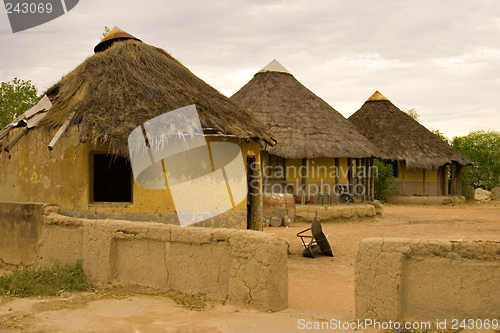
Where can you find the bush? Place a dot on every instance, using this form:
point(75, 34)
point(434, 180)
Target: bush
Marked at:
point(483, 149)
point(468, 192)
point(44, 281)
point(384, 179)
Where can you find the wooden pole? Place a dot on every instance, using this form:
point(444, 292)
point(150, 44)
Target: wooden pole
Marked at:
point(263, 163)
point(358, 164)
point(303, 187)
point(337, 166)
point(459, 179)
point(403, 171)
point(366, 180)
point(372, 181)
point(452, 189)
point(445, 180)
point(61, 130)
point(349, 174)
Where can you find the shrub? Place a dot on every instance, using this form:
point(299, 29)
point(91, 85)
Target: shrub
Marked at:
point(384, 179)
point(44, 281)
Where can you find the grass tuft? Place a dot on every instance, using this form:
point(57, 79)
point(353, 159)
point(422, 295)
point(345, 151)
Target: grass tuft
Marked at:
point(44, 281)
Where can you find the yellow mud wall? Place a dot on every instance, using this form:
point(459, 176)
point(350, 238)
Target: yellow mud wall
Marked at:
point(413, 182)
point(32, 173)
point(318, 169)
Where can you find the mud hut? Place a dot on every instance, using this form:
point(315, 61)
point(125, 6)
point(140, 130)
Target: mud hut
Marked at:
point(316, 145)
point(420, 159)
point(78, 157)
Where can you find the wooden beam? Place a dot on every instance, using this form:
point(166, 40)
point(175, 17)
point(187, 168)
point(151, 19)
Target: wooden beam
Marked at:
point(303, 187)
point(459, 179)
point(403, 171)
point(349, 175)
point(445, 180)
point(372, 181)
point(367, 178)
point(61, 131)
point(337, 167)
point(452, 176)
point(263, 164)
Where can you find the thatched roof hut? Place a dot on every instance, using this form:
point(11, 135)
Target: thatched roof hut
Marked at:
point(399, 137)
point(304, 124)
point(127, 82)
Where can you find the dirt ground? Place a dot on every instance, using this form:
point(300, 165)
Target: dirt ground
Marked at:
point(319, 289)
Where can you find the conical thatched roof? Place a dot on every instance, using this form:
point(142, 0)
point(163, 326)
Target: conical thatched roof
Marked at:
point(399, 137)
point(114, 91)
point(304, 124)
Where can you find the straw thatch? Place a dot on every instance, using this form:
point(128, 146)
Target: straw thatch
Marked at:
point(399, 137)
point(114, 91)
point(304, 124)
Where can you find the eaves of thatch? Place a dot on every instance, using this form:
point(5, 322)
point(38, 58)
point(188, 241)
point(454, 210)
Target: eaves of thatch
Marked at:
point(399, 137)
point(116, 90)
point(304, 124)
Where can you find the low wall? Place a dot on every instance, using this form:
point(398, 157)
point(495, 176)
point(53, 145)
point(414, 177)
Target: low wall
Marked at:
point(20, 226)
point(240, 267)
point(427, 280)
point(278, 205)
point(335, 211)
point(425, 200)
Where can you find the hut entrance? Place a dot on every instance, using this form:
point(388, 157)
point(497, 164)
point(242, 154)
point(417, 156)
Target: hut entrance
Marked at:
point(111, 178)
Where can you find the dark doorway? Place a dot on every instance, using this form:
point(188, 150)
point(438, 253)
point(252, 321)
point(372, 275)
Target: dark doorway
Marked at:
point(251, 191)
point(112, 178)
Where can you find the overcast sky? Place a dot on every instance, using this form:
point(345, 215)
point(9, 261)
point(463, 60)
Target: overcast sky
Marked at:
point(440, 57)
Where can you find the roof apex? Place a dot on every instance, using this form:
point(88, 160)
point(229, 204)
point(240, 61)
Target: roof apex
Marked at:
point(377, 96)
point(115, 33)
point(274, 66)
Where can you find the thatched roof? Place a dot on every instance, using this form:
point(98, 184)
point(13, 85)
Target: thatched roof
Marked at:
point(114, 91)
point(399, 137)
point(304, 124)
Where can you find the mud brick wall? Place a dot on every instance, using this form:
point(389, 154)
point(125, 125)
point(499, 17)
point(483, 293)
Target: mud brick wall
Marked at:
point(427, 280)
point(335, 212)
point(236, 266)
point(20, 226)
point(240, 267)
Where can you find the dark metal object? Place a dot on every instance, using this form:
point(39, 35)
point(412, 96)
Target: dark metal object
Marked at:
point(318, 243)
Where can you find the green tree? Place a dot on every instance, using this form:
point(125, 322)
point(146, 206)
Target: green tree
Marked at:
point(483, 149)
point(384, 179)
point(16, 96)
point(413, 113)
point(441, 136)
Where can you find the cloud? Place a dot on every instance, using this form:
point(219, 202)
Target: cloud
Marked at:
point(439, 57)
